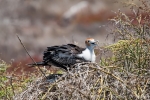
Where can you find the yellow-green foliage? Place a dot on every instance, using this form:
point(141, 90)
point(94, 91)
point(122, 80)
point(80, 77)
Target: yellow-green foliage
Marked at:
point(132, 51)
point(10, 84)
point(5, 91)
point(131, 55)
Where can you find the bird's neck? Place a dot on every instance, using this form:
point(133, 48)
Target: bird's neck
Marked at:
point(91, 55)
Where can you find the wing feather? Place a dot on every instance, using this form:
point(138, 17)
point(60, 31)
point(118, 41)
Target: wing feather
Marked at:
point(63, 55)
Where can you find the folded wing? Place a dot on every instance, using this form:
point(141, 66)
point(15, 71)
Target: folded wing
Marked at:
point(63, 56)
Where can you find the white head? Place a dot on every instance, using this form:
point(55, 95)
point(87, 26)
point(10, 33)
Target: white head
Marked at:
point(90, 43)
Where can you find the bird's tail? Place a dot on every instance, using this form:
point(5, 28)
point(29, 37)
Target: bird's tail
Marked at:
point(37, 64)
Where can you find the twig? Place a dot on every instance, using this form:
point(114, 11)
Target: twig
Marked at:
point(30, 56)
point(116, 78)
point(52, 85)
point(12, 86)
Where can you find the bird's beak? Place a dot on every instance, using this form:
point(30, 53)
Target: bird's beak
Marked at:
point(95, 42)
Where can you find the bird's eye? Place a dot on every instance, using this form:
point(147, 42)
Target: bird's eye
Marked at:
point(88, 41)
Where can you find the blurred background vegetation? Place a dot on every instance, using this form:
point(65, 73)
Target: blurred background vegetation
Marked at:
point(53, 22)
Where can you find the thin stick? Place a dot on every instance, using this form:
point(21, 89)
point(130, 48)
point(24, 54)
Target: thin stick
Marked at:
point(30, 56)
point(12, 86)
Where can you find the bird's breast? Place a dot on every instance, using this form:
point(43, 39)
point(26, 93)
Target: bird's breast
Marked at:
point(87, 55)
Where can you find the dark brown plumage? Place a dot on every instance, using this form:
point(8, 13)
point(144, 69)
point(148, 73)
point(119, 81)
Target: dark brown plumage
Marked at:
point(61, 56)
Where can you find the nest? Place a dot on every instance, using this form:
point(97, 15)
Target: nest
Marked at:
point(87, 81)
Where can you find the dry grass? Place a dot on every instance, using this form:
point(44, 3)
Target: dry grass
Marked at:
point(89, 81)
